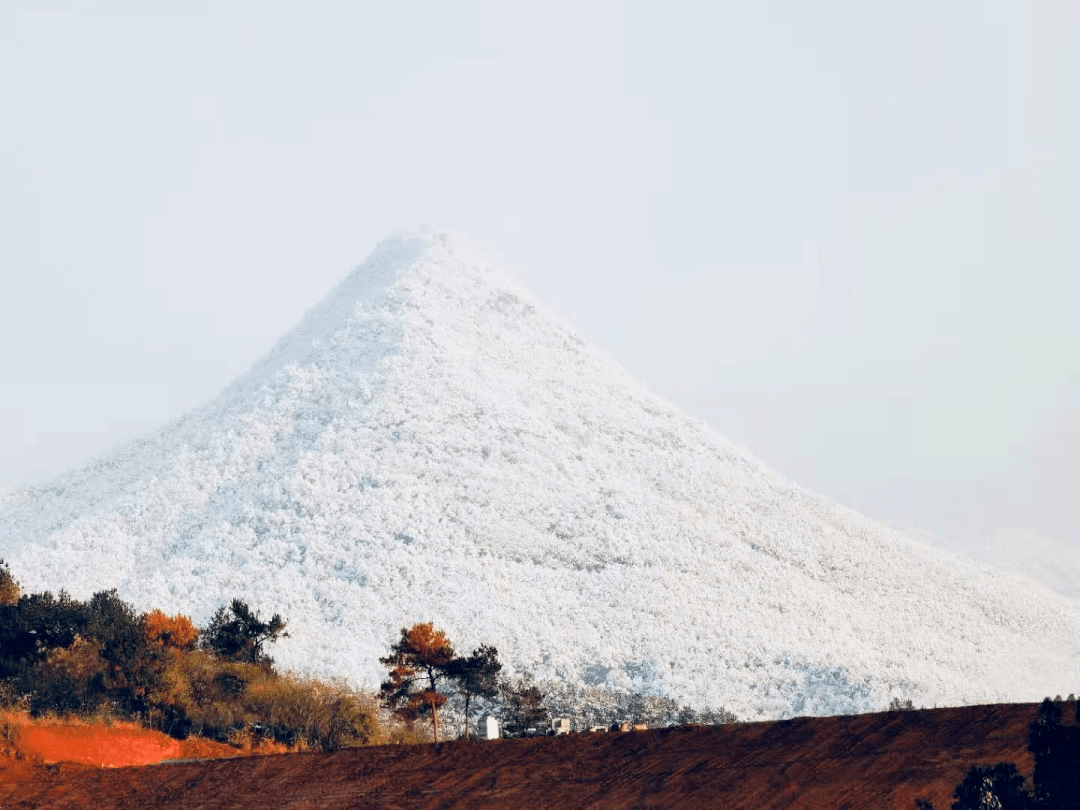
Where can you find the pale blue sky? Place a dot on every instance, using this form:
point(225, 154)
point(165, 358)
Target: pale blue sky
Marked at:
point(843, 233)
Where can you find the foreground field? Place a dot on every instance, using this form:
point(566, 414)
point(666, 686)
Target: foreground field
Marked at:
point(883, 760)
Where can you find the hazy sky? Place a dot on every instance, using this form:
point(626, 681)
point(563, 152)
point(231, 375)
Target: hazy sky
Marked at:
point(843, 233)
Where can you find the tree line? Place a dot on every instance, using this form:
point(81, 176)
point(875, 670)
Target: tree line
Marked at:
point(63, 656)
point(60, 655)
point(425, 674)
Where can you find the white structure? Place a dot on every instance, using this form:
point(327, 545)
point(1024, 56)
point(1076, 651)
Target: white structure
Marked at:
point(561, 725)
point(491, 728)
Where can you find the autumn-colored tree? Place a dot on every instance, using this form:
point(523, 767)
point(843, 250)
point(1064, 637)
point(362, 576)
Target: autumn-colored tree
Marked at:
point(177, 631)
point(9, 588)
point(476, 676)
point(70, 679)
point(419, 663)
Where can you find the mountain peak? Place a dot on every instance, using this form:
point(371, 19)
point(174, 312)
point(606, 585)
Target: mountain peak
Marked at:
point(392, 280)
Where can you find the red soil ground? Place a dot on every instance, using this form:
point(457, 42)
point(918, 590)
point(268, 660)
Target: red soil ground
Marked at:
point(30, 748)
point(96, 745)
point(882, 760)
point(108, 745)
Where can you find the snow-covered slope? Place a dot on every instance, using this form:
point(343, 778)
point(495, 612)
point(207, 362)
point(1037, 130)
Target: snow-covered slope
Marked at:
point(429, 444)
point(1050, 562)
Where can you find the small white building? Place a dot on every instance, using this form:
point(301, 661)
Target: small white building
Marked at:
point(561, 725)
point(491, 728)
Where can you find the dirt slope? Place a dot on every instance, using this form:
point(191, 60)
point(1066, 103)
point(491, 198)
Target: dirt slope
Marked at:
point(112, 745)
point(868, 761)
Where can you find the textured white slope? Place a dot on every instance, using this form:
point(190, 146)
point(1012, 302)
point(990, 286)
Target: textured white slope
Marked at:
point(428, 444)
point(1015, 551)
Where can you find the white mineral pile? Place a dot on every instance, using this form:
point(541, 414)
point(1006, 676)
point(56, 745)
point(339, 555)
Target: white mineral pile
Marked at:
point(429, 444)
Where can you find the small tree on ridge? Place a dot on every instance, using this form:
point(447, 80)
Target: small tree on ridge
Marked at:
point(523, 705)
point(419, 663)
point(477, 676)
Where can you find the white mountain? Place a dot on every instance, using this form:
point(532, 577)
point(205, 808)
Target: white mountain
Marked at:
point(429, 444)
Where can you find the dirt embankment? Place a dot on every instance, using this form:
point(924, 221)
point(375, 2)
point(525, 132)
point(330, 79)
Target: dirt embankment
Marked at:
point(867, 761)
point(28, 747)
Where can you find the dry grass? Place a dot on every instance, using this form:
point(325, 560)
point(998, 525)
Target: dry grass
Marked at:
point(9, 733)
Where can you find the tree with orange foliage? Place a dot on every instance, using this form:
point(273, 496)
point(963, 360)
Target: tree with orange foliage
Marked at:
point(176, 631)
point(9, 588)
point(418, 663)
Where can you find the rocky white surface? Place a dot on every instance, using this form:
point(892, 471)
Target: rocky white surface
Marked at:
point(430, 444)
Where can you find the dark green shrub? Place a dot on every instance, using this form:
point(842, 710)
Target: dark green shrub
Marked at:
point(68, 681)
point(522, 705)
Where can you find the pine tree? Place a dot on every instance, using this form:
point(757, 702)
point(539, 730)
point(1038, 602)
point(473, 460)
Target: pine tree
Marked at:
point(476, 676)
point(238, 634)
point(419, 664)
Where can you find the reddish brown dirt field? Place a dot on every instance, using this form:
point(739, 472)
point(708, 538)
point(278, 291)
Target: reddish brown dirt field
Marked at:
point(868, 761)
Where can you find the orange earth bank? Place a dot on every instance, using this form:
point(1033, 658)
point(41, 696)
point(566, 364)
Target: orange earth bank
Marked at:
point(100, 746)
point(113, 746)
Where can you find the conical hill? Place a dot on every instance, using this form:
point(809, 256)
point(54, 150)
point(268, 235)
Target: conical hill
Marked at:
point(430, 444)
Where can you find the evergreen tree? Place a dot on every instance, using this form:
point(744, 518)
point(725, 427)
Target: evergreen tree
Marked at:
point(132, 665)
point(36, 624)
point(238, 634)
point(476, 676)
point(1056, 750)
